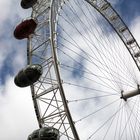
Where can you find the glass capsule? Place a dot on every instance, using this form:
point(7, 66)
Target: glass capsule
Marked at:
point(25, 4)
point(25, 28)
point(45, 133)
point(28, 76)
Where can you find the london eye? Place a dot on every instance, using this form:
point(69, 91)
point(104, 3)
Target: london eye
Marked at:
point(83, 70)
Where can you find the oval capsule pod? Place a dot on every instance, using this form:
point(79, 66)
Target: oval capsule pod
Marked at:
point(28, 76)
point(25, 4)
point(45, 133)
point(137, 54)
point(25, 28)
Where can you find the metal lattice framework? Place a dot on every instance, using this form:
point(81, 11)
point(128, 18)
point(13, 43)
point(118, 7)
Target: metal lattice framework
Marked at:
point(49, 90)
point(50, 103)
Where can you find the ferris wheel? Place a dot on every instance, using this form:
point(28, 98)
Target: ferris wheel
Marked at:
point(83, 69)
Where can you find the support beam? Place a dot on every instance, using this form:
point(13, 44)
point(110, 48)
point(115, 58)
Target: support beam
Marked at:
point(126, 95)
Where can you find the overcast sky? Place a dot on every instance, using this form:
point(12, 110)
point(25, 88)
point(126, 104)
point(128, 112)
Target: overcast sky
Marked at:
point(17, 117)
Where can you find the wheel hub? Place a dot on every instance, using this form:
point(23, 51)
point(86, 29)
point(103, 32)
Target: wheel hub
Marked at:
point(130, 94)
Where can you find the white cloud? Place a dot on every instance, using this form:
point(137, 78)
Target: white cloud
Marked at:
point(17, 116)
point(11, 15)
point(135, 28)
point(114, 2)
point(10, 9)
point(5, 7)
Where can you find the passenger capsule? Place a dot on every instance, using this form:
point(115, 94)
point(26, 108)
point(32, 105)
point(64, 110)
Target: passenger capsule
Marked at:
point(46, 133)
point(24, 29)
point(25, 4)
point(137, 54)
point(28, 76)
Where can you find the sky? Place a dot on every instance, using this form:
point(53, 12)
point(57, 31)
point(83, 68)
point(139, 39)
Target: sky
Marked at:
point(17, 117)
